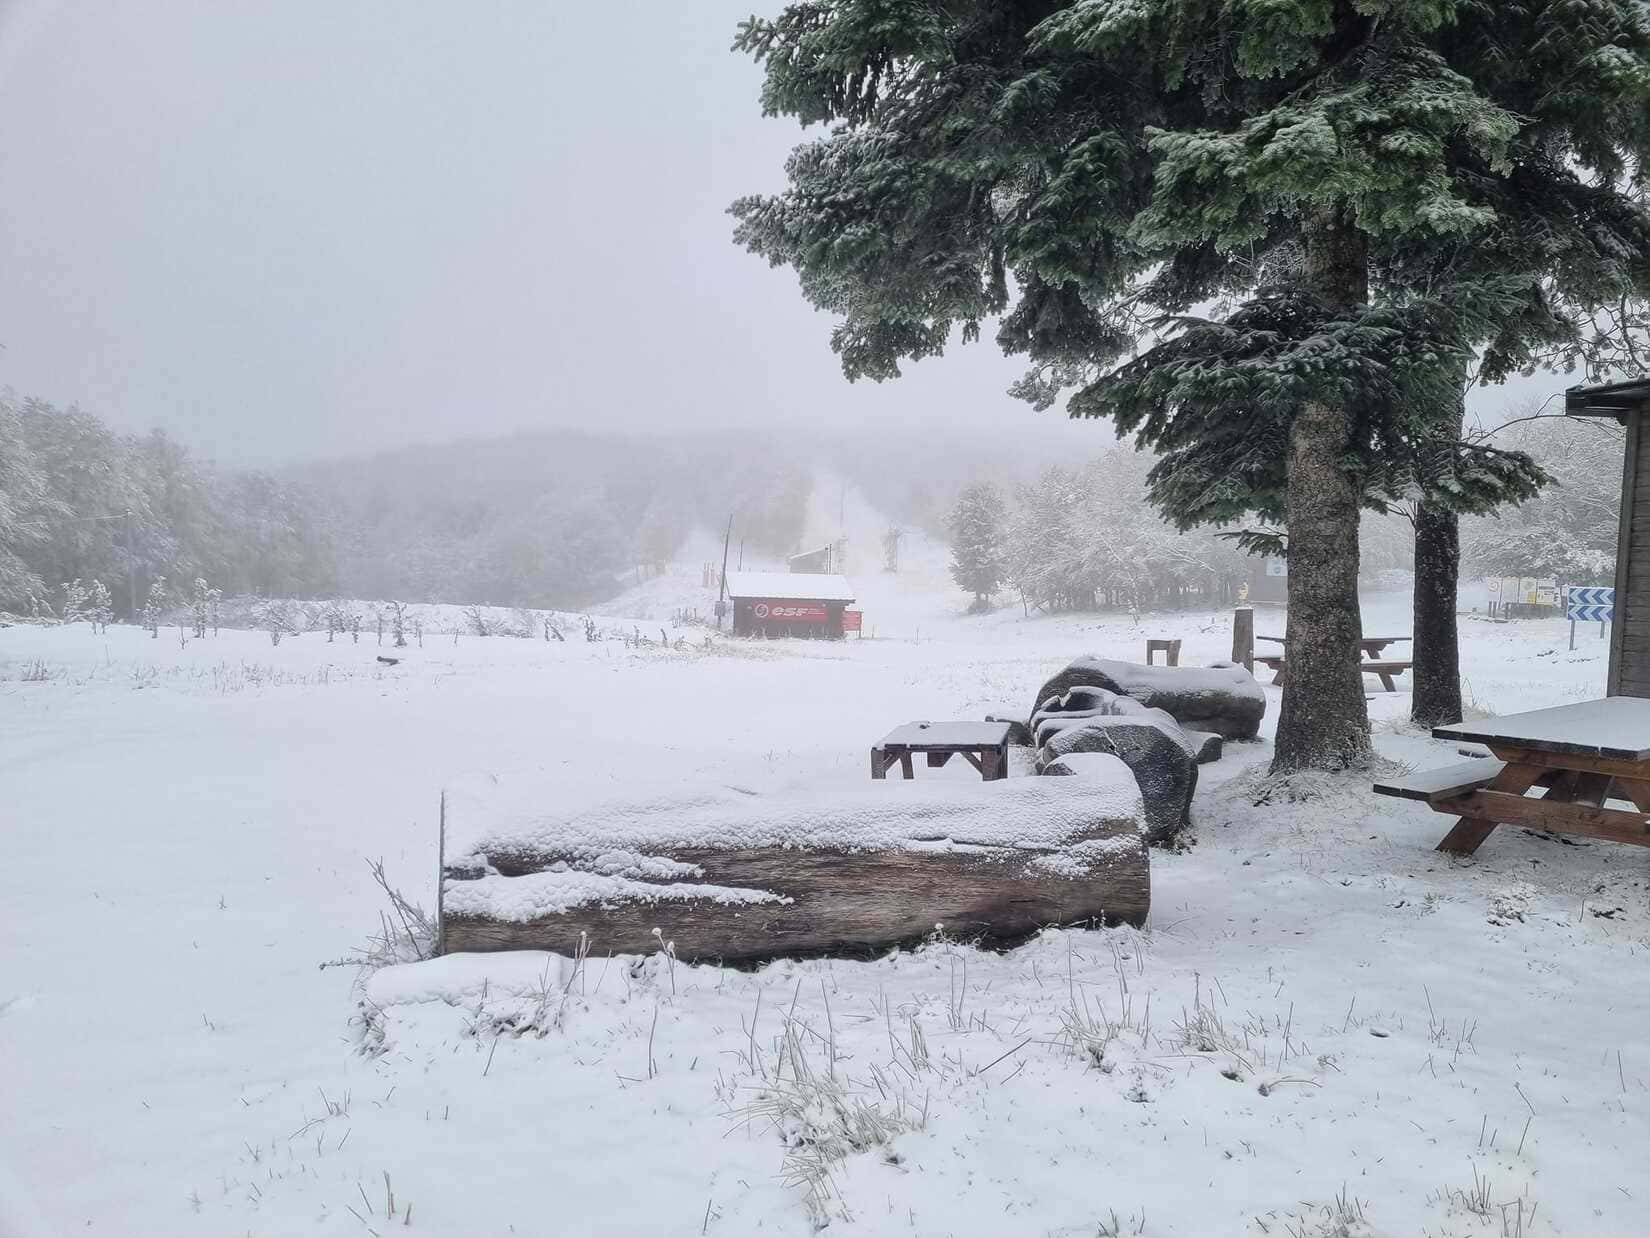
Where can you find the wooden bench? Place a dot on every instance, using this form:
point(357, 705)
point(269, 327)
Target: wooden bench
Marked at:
point(1432, 785)
point(1385, 669)
point(984, 745)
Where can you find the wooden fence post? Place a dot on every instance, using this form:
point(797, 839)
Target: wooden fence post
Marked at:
point(1243, 637)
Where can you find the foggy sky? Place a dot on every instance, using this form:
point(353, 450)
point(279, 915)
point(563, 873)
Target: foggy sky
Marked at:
point(323, 227)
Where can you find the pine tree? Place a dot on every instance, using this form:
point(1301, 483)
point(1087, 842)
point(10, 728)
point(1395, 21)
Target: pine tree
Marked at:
point(100, 607)
point(204, 605)
point(77, 601)
point(1362, 188)
point(154, 606)
point(976, 528)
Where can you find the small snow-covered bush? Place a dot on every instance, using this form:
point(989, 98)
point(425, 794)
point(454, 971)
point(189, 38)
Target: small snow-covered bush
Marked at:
point(822, 1115)
point(405, 933)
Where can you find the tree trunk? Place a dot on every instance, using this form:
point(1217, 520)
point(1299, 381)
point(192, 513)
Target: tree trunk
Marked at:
point(1324, 722)
point(1437, 671)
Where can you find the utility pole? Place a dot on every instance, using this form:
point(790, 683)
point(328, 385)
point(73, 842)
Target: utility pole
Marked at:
point(721, 593)
point(131, 562)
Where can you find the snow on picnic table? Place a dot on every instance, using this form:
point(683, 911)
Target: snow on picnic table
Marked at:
point(1322, 1006)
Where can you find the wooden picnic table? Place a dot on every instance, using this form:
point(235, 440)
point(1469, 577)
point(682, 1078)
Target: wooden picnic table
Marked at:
point(1371, 646)
point(1581, 755)
point(984, 745)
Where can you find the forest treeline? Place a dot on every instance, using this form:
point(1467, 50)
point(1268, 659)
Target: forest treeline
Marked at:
point(1085, 537)
point(79, 502)
point(561, 518)
point(547, 519)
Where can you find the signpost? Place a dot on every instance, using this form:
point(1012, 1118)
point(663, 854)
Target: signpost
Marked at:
point(1589, 602)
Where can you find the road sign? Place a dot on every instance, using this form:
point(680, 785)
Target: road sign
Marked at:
point(1589, 603)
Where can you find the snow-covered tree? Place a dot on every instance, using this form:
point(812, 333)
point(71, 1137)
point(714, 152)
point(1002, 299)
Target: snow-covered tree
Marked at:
point(76, 601)
point(1364, 191)
point(400, 620)
point(1568, 531)
point(1087, 537)
point(278, 617)
point(100, 607)
point(976, 526)
point(23, 491)
point(203, 605)
point(154, 606)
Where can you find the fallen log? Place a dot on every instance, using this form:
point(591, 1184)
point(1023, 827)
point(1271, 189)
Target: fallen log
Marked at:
point(737, 877)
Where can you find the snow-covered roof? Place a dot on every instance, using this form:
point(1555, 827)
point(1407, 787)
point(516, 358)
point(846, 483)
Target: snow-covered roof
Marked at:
point(793, 586)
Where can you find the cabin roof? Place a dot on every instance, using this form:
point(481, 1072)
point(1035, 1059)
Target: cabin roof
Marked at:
point(790, 586)
point(1608, 399)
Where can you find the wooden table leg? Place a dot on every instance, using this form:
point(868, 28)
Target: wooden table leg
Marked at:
point(1386, 681)
point(905, 764)
point(1469, 833)
point(990, 764)
point(879, 763)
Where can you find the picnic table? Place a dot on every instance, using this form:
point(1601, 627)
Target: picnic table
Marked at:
point(1371, 646)
point(1581, 755)
point(984, 745)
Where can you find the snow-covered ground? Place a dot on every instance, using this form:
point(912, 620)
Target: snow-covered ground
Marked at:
point(1326, 1028)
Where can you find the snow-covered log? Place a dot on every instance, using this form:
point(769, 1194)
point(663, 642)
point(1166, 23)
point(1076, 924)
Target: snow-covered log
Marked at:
point(1223, 699)
point(738, 876)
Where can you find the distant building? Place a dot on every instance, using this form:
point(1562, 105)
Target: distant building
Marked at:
point(788, 603)
point(820, 561)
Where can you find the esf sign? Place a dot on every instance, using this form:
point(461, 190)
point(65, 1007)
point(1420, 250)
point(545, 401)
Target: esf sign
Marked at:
point(789, 612)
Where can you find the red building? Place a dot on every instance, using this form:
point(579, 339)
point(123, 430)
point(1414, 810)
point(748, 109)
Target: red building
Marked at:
point(788, 603)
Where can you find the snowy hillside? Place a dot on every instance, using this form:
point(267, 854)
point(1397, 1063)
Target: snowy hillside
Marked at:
point(1326, 1027)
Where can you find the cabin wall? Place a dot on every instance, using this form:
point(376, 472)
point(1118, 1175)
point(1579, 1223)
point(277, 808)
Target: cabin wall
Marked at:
point(1630, 633)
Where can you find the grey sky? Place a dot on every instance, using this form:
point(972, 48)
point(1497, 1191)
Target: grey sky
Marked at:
point(318, 227)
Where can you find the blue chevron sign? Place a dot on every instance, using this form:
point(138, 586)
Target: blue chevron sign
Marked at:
point(1590, 603)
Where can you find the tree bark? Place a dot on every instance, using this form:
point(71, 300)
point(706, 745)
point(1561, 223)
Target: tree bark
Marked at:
point(1436, 699)
point(1324, 722)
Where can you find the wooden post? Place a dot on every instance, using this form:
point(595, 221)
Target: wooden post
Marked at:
point(1573, 634)
point(440, 868)
point(1243, 637)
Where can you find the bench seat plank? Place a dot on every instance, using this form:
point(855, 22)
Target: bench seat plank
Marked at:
point(1442, 783)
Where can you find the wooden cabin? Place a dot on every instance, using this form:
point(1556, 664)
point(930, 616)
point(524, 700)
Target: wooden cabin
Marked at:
point(1627, 402)
point(776, 604)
